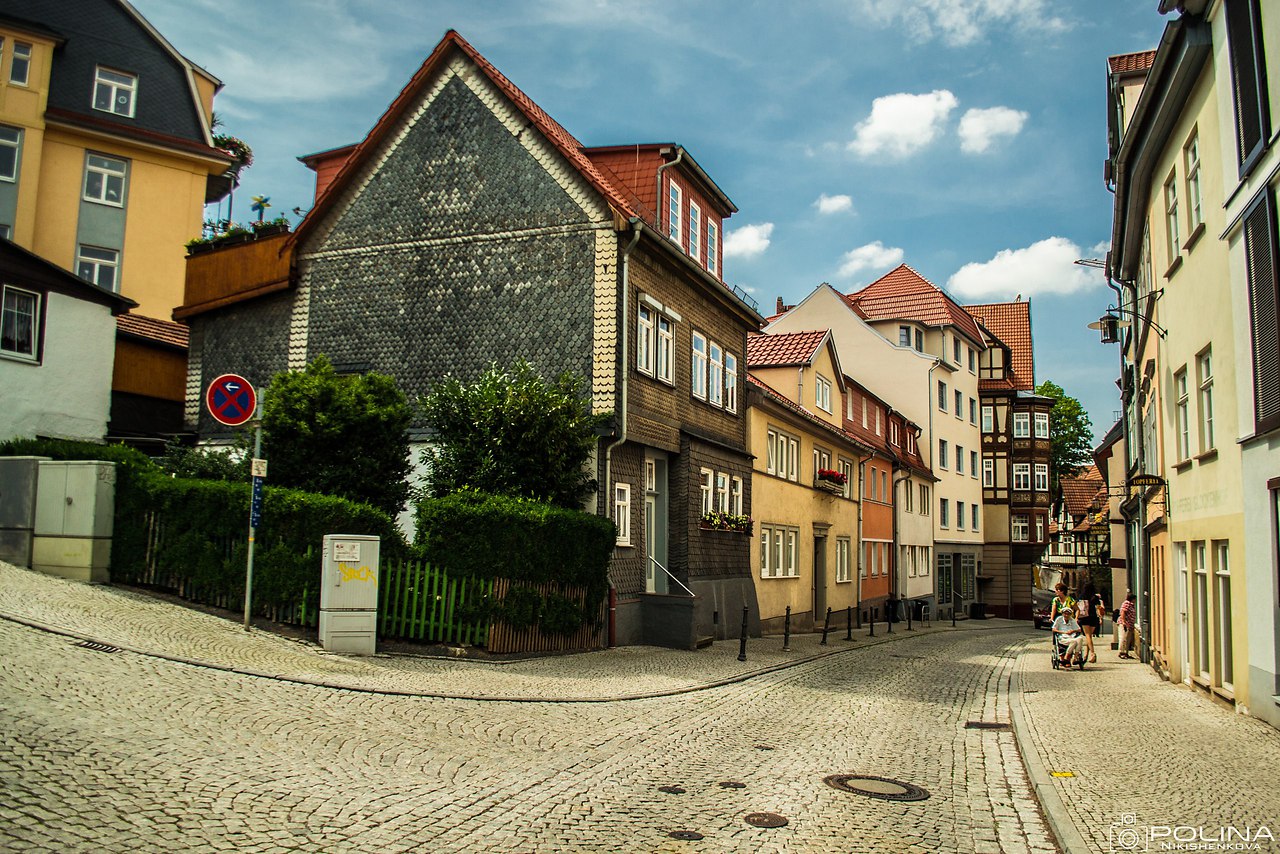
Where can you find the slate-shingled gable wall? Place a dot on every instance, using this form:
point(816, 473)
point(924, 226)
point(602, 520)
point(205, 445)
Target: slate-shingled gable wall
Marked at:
point(466, 242)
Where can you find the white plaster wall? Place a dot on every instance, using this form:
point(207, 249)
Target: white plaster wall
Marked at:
point(68, 394)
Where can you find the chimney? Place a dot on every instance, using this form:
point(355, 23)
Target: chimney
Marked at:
point(781, 307)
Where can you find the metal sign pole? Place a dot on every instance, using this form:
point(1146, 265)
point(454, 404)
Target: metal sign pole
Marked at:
point(255, 517)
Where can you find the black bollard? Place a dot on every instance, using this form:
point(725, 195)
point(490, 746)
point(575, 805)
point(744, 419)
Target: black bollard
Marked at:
point(848, 623)
point(953, 614)
point(889, 615)
point(910, 608)
point(826, 627)
point(872, 623)
point(742, 644)
point(786, 631)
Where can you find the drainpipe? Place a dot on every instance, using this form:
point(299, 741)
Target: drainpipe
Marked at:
point(862, 548)
point(1141, 569)
point(624, 374)
point(928, 404)
point(800, 387)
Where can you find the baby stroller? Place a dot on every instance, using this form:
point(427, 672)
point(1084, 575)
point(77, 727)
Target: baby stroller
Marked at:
point(1059, 650)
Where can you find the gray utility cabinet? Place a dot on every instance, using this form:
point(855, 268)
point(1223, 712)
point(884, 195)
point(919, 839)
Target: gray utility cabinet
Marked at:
point(349, 593)
point(75, 506)
point(18, 478)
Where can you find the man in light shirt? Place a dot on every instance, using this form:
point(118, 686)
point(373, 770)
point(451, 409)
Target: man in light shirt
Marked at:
point(1067, 631)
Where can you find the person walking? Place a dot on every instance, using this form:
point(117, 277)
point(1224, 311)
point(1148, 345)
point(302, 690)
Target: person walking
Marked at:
point(1128, 621)
point(1060, 602)
point(1089, 616)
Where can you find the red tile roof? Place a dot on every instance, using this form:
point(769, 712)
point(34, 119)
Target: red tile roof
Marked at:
point(568, 146)
point(153, 329)
point(1125, 63)
point(775, 350)
point(1011, 323)
point(1079, 491)
point(904, 294)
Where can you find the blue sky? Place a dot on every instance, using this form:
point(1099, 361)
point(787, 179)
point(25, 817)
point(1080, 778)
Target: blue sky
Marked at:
point(963, 137)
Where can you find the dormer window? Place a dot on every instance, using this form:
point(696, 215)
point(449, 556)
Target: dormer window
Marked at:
point(674, 206)
point(114, 91)
point(822, 393)
point(695, 244)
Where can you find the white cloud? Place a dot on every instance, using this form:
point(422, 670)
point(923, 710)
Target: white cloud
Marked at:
point(980, 128)
point(747, 241)
point(872, 256)
point(833, 204)
point(902, 124)
point(961, 22)
point(1045, 267)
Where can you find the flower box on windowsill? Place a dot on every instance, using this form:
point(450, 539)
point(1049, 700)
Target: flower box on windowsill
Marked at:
point(724, 522)
point(829, 486)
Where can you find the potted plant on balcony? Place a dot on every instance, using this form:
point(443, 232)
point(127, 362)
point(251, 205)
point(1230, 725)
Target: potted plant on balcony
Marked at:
point(715, 520)
point(266, 228)
point(236, 147)
point(831, 480)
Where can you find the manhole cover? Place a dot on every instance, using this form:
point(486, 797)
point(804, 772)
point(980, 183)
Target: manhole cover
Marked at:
point(671, 790)
point(691, 835)
point(764, 747)
point(98, 647)
point(729, 784)
point(985, 725)
point(764, 819)
point(876, 787)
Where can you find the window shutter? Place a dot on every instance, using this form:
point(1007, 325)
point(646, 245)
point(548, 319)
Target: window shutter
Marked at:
point(1248, 76)
point(1260, 259)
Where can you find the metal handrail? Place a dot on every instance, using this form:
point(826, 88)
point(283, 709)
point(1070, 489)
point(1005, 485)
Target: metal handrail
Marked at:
point(669, 575)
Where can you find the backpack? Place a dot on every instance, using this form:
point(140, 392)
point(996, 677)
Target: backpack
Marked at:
point(1084, 609)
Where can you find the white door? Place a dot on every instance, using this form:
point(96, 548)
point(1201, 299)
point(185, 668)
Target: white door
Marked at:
point(1184, 644)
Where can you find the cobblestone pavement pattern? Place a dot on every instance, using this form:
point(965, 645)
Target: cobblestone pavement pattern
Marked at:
point(1166, 756)
point(120, 751)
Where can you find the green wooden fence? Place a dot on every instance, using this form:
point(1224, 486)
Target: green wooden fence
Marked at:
point(416, 601)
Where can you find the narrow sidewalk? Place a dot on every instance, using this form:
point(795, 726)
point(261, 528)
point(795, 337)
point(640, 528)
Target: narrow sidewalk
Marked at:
point(1119, 758)
point(139, 623)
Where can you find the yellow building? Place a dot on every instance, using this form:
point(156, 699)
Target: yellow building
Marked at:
point(804, 481)
point(106, 154)
point(1173, 172)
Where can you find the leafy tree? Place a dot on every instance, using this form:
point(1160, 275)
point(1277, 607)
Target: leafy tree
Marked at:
point(209, 464)
point(511, 432)
point(1071, 432)
point(339, 435)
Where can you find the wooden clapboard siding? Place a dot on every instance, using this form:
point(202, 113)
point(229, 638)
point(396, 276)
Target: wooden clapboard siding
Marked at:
point(505, 638)
point(150, 370)
point(227, 275)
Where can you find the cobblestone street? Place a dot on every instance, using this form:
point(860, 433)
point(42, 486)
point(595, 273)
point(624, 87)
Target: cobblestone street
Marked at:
point(194, 735)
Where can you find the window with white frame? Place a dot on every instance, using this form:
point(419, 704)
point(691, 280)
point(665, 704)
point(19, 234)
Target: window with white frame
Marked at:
point(924, 559)
point(846, 469)
point(1042, 477)
point(919, 340)
point(1042, 425)
point(884, 488)
point(695, 238)
point(10, 141)
point(959, 459)
point(664, 349)
point(1022, 476)
point(960, 515)
point(1174, 246)
point(942, 453)
point(730, 382)
point(20, 323)
point(98, 265)
point(989, 473)
point(20, 64)
point(1191, 162)
point(674, 207)
point(955, 348)
point(1039, 529)
point(1021, 529)
point(1022, 425)
point(942, 395)
point(699, 360)
point(715, 384)
point(783, 455)
point(924, 500)
point(1204, 374)
point(707, 488)
point(735, 496)
point(893, 433)
point(622, 512)
point(944, 513)
point(973, 411)
point(713, 246)
point(646, 335)
point(975, 509)
point(822, 392)
point(988, 419)
point(906, 497)
point(722, 492)
point(1182, 415)
point(904, 336)
point(878, 423)
point(865, 406)
point(1222, 615)
point(959, 407)
point(973, 464)
point(778, 551)
point(104, 180)
point(114, 92)
point(842, 560)
point(821, 460)
point(973, 361)
point(911, 441)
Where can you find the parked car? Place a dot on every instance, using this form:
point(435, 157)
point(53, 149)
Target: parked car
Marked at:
point(1042, 617)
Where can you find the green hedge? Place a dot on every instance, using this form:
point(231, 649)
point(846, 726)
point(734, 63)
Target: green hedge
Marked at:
point(529, 542)
point(205, 530)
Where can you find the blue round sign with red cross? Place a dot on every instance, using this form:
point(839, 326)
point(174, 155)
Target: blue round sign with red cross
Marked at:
point(231, 400)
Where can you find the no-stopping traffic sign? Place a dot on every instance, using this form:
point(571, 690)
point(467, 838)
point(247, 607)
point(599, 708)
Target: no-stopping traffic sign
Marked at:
point(231, 400)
